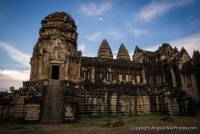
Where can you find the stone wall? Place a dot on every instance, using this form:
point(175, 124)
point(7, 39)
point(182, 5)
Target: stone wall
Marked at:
point(32, 112)
point(126, 102)
point(114, 103)
point(18, 108)
point(6, 111)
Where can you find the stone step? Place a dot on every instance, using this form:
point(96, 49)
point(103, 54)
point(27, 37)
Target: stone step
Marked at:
point(47, 120)
point(53, 101)
point(51, 121)
point(52, 110)
point(54, 85)
point(53, 116)
point(46, 102)
point(49, 104)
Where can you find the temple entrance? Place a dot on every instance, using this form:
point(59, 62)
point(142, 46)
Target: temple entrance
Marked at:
point(55, 72)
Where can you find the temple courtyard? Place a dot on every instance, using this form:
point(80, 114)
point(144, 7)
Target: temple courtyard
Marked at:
point(113, 125)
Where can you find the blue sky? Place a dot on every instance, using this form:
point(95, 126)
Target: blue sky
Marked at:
point(146, 23)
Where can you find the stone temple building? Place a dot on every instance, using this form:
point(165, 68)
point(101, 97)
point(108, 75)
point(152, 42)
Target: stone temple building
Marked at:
point(65, 85)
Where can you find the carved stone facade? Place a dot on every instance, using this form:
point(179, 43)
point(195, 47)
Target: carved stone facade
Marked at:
point(56, 49)
point(64, 85)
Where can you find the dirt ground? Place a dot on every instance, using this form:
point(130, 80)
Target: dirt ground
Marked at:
point(63, 129)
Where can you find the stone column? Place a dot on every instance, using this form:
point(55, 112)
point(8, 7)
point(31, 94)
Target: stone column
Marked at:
point(113, 102)
point(143, 75)
point(92, 75)
point(40, 67)
point(195, 91)
point(62, 67)
point(79, 70)
point(32, 69)
point(66, 77)
point(157, 104)
point(183, 82)
point(138, 79)
point(36, 68)
point(173, 78)
point(46, 71)
point(139, 105)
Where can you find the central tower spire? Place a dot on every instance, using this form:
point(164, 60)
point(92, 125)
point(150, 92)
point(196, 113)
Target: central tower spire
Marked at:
point(55, 48)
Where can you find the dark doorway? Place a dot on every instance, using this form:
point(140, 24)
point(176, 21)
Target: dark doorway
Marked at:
point(55, 72)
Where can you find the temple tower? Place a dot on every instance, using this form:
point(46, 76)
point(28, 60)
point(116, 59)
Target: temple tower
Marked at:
point(123, 53)
point(55, 54)
point(55, 58)
point(104, 51)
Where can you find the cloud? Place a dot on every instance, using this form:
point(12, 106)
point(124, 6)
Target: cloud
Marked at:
point(90, 54)
point(152, 48)
point(93, 37)
point(14, 78)
point(15, 74)
point(115, 34)
point(190, 43)
point(81, 47)
point(92, 9)
point(15, 54)
point(6, 84)
point(138, 32)
point(157, 8)
point(115, 54)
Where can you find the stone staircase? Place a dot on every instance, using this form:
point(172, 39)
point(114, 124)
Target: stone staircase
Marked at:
point(52, 107)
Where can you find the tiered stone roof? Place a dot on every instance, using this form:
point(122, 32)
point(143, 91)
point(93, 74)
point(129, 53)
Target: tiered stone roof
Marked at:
point(58, 16)
point(123, 53)
point(183, 51)
point(104, 51)
point(58, 24)
point(196, 55)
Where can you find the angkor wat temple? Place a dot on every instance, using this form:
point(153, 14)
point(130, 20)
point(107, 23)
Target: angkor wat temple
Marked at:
point(64, 84)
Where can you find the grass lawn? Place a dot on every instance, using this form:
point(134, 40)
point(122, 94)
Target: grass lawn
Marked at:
point(128, 121)
point(98, 125)
point(141, 120)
